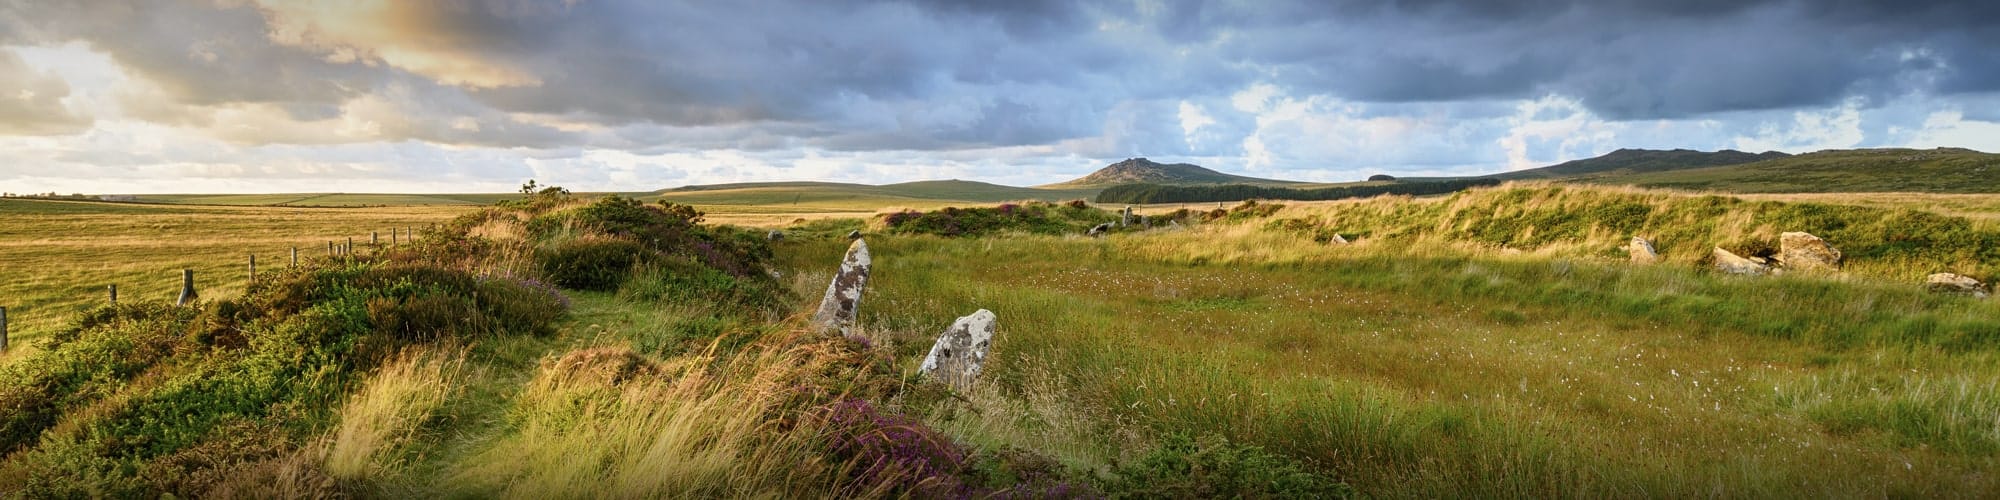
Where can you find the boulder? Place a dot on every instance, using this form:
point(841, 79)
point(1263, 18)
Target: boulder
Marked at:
point(843, 295)
point(1100, 229)
point(1734, 264)
point(1955, 283)
point(960, 353)
point(1806, 252)
point(854, 235)
point(1642, 251)
point(1336, 240)
point(774, 235)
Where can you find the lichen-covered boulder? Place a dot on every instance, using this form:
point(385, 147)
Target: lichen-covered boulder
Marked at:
point(843, 295)
point(1337, 239)
point(1731, 263)
point(1100, 229)
point(960, 353)
point(1806, 252)
point(774, 235)
point(1642, 251)
point(1955, 283)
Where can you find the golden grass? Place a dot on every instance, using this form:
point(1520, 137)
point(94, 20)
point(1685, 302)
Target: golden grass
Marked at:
point(380, 421)
point(606, 422)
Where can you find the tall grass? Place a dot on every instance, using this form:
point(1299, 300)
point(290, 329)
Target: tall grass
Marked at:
point(381, 421)
point(609, 422)
point(1424, 361)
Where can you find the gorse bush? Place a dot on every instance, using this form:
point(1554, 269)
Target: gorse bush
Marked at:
point(590, 264)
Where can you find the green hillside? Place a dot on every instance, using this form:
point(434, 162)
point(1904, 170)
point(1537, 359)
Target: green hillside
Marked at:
point(1942, 170)
point(1632, 161)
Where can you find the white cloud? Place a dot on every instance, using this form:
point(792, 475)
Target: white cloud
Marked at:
point(1835, 128)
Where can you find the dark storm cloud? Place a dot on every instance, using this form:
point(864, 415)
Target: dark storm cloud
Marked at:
point(963, 73)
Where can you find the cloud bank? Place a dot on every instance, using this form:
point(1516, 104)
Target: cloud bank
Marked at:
point(282, 95)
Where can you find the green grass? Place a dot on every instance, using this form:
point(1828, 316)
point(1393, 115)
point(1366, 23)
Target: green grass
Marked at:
point(1427, 376)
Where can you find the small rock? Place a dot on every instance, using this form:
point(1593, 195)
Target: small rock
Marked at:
point(843, 295)
point(1100, 229)
point(1807, 252)
point(960, 353)
point(774, 235)
point(1336, 240)
point(1731, 263)
point(1955, 283)
point(1642, 251)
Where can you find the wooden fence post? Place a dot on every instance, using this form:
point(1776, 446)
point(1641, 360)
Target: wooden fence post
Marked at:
point(295, 256)
point(253, 267)
point(113, 288)
point(187, 287)
point(3, 329)
point(374, 238)
point(392, 236)
point(349, 249)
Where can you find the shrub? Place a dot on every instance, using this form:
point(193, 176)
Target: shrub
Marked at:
point(590, 264)
point(1212, 467)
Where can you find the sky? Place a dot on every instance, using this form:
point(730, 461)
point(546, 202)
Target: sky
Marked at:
point(224, 96)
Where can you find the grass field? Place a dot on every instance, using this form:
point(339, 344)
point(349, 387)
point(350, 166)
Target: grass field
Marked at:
point(1439, 375)
point(57, 257)
point(1487, 344)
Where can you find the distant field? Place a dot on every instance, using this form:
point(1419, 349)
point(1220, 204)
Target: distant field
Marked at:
point(329, 199)
point(58, 256)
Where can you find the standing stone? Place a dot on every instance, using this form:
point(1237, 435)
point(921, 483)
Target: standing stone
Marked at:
point(774, 235)
point(1099, 229)
point(1955, 283)
point(960, 353)
point(1642, 251)
point(1807, 252)
point(843, 295)
point(1734, 264)
point(1125, 218)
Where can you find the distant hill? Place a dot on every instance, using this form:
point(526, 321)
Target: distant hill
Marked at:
point(1144, 171)
point(1942, 170)
point(1633, 161)
point(839, 197)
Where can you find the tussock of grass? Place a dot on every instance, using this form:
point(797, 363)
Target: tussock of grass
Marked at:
point(380, 421)
point(608, 422)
